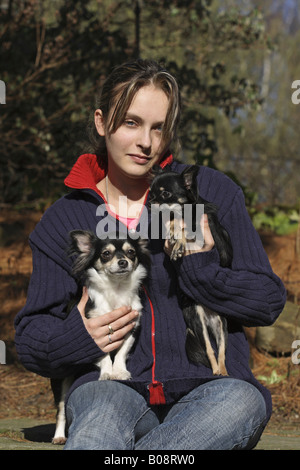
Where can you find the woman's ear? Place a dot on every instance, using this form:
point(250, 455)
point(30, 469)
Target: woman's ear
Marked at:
point(99, 122)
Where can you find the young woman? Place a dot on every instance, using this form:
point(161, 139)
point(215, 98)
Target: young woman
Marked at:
point(170, 403)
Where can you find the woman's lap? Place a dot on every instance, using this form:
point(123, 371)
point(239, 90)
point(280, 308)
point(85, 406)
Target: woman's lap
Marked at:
point(220, 414)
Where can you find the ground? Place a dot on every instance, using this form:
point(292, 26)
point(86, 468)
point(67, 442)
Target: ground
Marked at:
point(27, 395)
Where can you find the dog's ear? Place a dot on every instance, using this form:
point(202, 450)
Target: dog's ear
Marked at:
point(144, 252)
point(82, 244)
point(82, 241)
point(189, 176)
point(155, 170)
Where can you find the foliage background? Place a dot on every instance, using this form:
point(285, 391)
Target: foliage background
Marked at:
point(235, 61)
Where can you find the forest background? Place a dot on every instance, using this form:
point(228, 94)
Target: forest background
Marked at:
point(235, 62)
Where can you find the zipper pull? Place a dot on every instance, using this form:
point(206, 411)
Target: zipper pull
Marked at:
point(157, 396)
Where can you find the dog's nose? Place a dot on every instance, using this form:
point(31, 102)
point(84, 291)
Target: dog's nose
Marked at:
point(123, 263)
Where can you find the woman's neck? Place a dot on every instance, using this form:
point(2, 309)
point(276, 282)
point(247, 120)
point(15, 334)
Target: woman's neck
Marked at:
point(125, 198)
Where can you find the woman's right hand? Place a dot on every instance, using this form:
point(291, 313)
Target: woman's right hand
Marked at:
point(121, 320)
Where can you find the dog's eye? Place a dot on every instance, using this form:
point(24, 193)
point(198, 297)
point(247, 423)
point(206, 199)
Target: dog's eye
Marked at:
point(106, 254)
point(165, 194)
point(131, 253)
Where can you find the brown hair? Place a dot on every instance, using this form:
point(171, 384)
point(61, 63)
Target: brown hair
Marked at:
point(118, 91)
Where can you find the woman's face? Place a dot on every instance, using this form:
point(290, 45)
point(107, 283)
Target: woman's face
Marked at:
point(136, 145)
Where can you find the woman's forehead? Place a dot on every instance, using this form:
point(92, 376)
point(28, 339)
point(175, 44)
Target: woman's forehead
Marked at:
point(150, 102)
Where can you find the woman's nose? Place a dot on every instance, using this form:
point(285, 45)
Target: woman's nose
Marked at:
point(144, 140)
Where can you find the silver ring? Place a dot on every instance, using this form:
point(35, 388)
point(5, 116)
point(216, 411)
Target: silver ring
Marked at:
point(109, 338)
point(111, 331)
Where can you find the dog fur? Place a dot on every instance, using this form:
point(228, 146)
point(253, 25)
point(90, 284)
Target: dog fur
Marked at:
point(113, 271)
point(203, 325)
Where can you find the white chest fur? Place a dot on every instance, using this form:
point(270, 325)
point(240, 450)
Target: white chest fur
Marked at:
point(109, 293)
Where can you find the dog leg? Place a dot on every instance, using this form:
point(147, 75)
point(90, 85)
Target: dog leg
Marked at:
point(105, 366)
point(59, 437)
point(120, 371)
point(222, 347)
point(177, 239)
point(217, 326)
point(209, 350)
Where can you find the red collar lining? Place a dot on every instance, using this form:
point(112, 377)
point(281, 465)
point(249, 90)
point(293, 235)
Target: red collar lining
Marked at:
point(89, 169)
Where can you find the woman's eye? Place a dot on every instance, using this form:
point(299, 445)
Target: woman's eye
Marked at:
point(130, 123)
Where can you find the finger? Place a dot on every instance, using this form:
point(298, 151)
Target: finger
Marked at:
point(110, 342)
point(99, 321)
point(112, 346)
point(118, 318)
point(118, 329)
point(205, 243)
point(207, 235)
point(98, 328)
point(83, 301)
point(124, 320)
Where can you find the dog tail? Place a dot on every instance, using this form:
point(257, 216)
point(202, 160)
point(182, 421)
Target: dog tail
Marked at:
point(195, 343)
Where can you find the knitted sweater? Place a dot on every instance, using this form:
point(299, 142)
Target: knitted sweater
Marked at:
point(54, 344)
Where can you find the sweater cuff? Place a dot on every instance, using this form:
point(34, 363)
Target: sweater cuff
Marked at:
point(74, 345)
point(196, 270)
point(191, 263)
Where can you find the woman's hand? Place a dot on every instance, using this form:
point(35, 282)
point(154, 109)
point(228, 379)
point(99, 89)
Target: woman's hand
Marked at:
point(195, 247)
point(208, 241)
point(116, 323)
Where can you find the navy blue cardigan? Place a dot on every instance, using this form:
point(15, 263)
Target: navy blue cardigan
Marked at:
point(54, 344)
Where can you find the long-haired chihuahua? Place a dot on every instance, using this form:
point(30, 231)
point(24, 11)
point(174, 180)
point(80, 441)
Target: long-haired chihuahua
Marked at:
point(203, 325)
point(113, 270)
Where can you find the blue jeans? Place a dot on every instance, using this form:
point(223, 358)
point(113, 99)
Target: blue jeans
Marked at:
point(221, 414)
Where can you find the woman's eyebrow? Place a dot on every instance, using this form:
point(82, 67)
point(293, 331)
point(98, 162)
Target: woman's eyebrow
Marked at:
point(135, 117)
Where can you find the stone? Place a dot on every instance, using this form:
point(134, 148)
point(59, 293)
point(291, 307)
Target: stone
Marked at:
point(278, 338)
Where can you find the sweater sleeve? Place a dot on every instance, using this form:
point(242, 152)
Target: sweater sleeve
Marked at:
point(249, 292)
point(49, 341)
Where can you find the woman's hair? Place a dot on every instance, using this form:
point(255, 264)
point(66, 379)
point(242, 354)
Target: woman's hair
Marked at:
point(118, 91)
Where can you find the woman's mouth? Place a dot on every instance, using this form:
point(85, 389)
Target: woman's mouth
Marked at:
point(140, 159)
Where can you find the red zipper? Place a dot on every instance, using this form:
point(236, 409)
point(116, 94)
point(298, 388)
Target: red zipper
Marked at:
point(156, 391)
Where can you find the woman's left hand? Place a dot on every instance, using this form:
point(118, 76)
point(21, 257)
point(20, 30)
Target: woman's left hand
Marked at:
point(196, 247)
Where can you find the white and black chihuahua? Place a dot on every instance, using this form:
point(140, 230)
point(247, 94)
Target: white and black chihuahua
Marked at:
point(171, 188)
point(113, 270)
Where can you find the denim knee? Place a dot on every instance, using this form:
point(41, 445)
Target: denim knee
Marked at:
point(244, 413)
point(249, 414)
point(103, 415)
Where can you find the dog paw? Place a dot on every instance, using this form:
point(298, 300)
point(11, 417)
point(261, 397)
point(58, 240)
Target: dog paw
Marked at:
point(105, 376)
point(223, 371)
point(121, 374)
point(59, 440)
point(178, 250)
point(220, 371)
